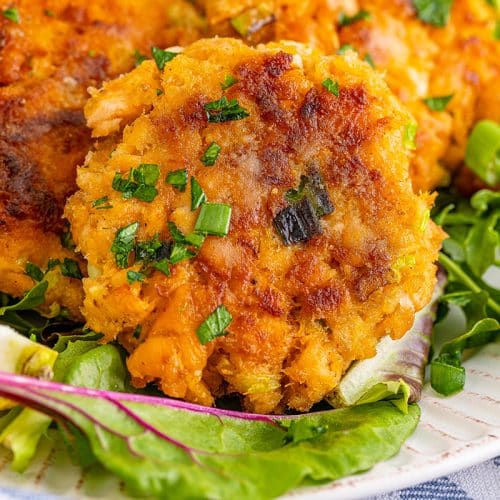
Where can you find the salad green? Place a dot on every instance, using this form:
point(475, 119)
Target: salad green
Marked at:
point(157, 444)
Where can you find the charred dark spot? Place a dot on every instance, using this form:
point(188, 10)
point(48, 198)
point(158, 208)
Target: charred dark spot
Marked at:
point(311, 105)
point(323, 299)
point(23, 193)
point(369, 279)
point(269, 301)
point(276, 65)
point(193, 114)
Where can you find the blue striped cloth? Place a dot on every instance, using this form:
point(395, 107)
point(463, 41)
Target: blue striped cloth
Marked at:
point(481, 482)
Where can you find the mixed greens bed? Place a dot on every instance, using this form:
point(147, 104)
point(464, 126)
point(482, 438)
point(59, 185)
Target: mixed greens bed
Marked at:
point(56, 373)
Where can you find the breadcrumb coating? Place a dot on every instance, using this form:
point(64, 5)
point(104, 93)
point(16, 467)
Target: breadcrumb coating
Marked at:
point(301, 313)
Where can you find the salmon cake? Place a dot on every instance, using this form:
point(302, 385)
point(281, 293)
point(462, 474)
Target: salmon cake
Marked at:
point(450, 53)
point(50, 52)
point(249, 223)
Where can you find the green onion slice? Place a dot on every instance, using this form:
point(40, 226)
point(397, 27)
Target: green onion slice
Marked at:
point(214, 219)
point(331, 86)
point(438, 103)
point(210, 155)
point(178, 179)
point(197, 194)
point(215, 325)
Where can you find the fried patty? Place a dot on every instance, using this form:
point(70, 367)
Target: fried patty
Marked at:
point(418, 60)
point(301, 312)
point(48, 58)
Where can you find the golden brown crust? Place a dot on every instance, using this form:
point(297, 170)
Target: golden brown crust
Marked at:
point(417, 59)
point(301, 313)
point(47, 62)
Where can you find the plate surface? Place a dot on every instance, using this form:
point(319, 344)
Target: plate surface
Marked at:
point(453, 433)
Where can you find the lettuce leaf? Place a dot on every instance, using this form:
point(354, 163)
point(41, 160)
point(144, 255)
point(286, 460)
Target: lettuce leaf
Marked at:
point(160, 446)
point(396, 372)
point(470, 251)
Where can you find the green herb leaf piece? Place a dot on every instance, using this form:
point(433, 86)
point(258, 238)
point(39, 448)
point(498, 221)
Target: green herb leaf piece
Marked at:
point(435, 12)
point(162, 57)
point(438, 103)
point(214, 219)
point(215, 325)
point(162, 266)
point(229, 81)
point(159, 92)
point(140, 183)
point(223, 110)
point(210, 155)
point(178, 179)
point(102, 203)
point(67, 240)
point(12, 14)
point(124, 243)
point(345, 20)
point(158, 445)
point(178, 236)
point(331, 86)
point(134, 276)
point(33, 271)
point(197, 194)
point(482, 154)
point(179, 252)
point(139, 58)
point(71, 269)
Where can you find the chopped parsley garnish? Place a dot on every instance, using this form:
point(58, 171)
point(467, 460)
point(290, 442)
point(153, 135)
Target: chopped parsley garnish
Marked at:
point(331, 86)
point(124, 243)
point(438, 103)
point(496, 31)
point(215, 325)
point(134, 276)
point(369, 59)
point(102, 203)
point(92, 53)
point(71, 269)
point(210, 155)
point(193, 239)
point(229, 81)
point(12, 14)
point(162, 57)
point(162, 266)
point(33, 271)
point(197, 194)
point(179, 252)
point(435, 12)
point(48, 12)
point(345, 20)
point(140, 183)
point(178, 179)
point(67, 240)
point(223, 110)
point(214, 219)
point(139, 58)
point(344, 48)
point(159, 92)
